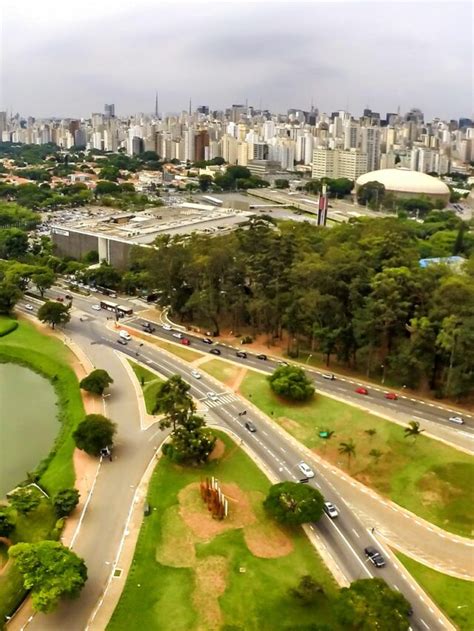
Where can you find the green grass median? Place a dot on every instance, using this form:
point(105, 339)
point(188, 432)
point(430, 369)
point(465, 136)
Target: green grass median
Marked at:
point(424, 475)
point(149, 383)
point(191, 572)
point(453, 595)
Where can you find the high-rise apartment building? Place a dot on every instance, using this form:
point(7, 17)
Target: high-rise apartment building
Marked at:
point(201, 141)
point(370, 145)
point(109, 110)
point(336, 163)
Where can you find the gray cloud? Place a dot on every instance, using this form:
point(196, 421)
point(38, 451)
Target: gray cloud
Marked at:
point(70, 58)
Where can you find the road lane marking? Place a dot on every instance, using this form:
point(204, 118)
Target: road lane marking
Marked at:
point(421, 620)
point(356, 533)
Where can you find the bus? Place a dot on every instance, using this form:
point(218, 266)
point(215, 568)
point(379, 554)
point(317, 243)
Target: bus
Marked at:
point(108, 306)
point(214, 200)
point(124, 311)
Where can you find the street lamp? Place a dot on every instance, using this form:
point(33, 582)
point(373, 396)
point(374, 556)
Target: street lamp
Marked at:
point(309, 357)
point(382, 366)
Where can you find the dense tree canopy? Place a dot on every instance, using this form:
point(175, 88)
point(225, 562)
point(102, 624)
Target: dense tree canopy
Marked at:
point(97, 381)
point(65, 501)
point(94, 433)
point(370, 605)
point(50, 571)
point(292, 503)
point(292, 383)
point(54, 313)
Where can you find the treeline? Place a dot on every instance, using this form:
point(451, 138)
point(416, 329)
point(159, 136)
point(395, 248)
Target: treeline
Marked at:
point(355, 292)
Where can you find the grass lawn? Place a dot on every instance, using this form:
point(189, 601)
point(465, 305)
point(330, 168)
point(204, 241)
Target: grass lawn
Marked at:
point(7, 325)
point(149, 383)
point(426, 476)
point(453, 595)
point(221, 370)
point(51, 358)
point(191, 572)
point(36, 526)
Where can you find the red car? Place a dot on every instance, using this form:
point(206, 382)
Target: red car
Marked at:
point(362, 390)
point(185, 341)
point(391, 395)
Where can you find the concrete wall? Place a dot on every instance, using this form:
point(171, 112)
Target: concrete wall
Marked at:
point(76, 244)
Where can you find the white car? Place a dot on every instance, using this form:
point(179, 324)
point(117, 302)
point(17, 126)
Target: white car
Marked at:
point(196, 374)
point(167, 327)
point(93, 289)
point(330, 510)
point(456, 419)
point(306, 470)
point(96, 307)
point(29, 307)
point(178, 335)
point(212, 396)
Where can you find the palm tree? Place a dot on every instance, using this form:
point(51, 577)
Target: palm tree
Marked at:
point(371, 432)
point(413, 429)
point(376, 454)
point(348, 448)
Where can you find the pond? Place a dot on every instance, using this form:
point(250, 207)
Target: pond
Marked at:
point(28, 423)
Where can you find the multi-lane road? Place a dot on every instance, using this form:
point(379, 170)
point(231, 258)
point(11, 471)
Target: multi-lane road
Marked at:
point(344, 537)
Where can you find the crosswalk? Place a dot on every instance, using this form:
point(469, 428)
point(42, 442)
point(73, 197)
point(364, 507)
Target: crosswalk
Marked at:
point(222, 399)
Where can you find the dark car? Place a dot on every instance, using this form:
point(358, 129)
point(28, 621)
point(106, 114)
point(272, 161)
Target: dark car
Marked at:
point(215, 351)
point(148, 327)
point(241, 354)
point(262, 356)
point(68, 297)
point(375, 557)
point(250, 426)
point(207, 340)
point(122, 341)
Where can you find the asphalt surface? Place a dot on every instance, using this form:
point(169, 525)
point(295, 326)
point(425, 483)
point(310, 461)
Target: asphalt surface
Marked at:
point(103, 527)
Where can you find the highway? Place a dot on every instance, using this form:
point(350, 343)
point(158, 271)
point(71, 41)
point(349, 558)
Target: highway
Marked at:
point(345, 537)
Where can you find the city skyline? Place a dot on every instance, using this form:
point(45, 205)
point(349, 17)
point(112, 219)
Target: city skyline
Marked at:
point(336, 55)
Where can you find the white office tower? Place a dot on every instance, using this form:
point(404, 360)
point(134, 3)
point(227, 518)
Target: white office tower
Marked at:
point(214, 151)
point(304, 148)
point(231, 129)
point(287, 155)
point(268, 130)
point(229, 149)
point(336, 127)
point(323, 163)
point(351, 135)
point(96, 140)
point(189, 144)
point(336, 163)
point(370, 145)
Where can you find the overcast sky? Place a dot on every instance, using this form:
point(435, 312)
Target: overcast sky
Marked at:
point(69, 57)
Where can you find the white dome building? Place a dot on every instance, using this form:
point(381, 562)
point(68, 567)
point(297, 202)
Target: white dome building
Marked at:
point(406, 183)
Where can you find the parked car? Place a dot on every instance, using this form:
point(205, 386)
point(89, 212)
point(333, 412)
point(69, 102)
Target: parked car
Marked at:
point(178, 335)
point(391, 395)
point(96, 307)
point(112, 295)
point(215, 351)
point(196, 374)
point(329, 376)
point(250, 426)
point(375, 557)
point(456, 419)
point(122, 341)
point(306, 470)
point(167, 327)
point(330, 510)
point(185, 341)
point(241, 354)
point(262, 356)
point(361, 390)
point(207, 340)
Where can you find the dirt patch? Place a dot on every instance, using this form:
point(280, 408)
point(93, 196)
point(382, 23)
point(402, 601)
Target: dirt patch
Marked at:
point(211, 581)
point(289, 424)
point(235, 383)
point(177, 543)
point(194, 512)
point(267, 540)
point(218, 451)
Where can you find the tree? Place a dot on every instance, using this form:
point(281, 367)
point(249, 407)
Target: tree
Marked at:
point(339, 187)
point(291, 503)
point(371, 193)
point(43, 278)
point(191, 441)
point(25, 499)
point(413, 430)
point(308, 591)
point(7, 521)
point(94, 433)
point(205, 182)
point(282, 183)
point(292, 383)
point(104, 187)
point(54, 313)
point(65, 501)
point(10, 294)
point(13, 243)
point(96, 382)
point(348, 449)
point(174, 402)
point(109, 173)
point(50, 571)
point(376, 454)
point(370, 605)
point(370, 432)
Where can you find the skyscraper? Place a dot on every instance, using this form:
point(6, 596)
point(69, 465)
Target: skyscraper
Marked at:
point(109, 110)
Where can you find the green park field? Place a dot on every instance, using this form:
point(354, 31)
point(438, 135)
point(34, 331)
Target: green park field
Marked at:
point(191, 572)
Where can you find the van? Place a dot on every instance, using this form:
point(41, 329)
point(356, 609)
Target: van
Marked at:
point(125, 335)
